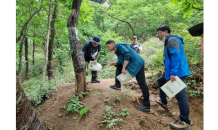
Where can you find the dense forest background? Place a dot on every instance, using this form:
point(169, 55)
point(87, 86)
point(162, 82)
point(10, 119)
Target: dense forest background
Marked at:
point(114, 19)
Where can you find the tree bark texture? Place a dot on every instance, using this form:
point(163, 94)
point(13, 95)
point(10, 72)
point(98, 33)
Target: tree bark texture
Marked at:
point(46, 48)
point(33, 56)
point(26, 58)
point(80, 83)
point(50, 69)
point(26, 116)
point(20, 63)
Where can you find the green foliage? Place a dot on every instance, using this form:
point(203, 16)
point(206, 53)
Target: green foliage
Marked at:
point(75, 105)
point(115, 96)
point(108, 72)
point(192, 51)
point(158, 62)
point(83, 111)
point(108, 118)
point(35, 94)
point(125, 112)
point(189, 6)
point(194, 81)
point(153, 53)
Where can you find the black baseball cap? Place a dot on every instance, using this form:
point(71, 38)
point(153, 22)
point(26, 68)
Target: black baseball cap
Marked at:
point(96, 39)
point(196, 30)
point(134, 37)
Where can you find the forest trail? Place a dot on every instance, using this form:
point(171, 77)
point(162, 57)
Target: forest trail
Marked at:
point(53, 111)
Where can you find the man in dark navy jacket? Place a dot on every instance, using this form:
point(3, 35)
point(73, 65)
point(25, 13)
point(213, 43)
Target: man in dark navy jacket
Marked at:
point(135, 45)
point(90, 51)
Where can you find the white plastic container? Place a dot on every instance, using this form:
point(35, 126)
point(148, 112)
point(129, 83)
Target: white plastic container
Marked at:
point(94, 67)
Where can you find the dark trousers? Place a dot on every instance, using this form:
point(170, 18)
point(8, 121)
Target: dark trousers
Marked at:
point(181, 99)
point(94, 73)
point(140, 77)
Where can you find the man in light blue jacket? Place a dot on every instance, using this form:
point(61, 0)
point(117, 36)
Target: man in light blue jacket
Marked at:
point(175, 65)
point(131, 61)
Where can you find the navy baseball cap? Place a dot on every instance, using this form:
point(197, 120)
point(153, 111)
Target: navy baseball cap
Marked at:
point(196, 30)
point(96, 39)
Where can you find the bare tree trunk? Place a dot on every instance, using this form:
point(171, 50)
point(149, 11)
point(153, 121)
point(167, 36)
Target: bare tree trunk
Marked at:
point(26, 116)
point(26, 59)
point(46, 48)
point(50, 70)
point(33, 56)
point(20, 64)
point(80, 82)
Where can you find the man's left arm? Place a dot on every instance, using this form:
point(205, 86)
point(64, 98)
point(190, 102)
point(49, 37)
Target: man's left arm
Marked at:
point(126, 56)
point(174, 53)
point(96, 57)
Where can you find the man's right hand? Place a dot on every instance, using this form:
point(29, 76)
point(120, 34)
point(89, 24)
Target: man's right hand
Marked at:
point(112, 64)
point(84, 63)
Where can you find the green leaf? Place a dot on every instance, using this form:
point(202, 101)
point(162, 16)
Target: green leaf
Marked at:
point(84, 110)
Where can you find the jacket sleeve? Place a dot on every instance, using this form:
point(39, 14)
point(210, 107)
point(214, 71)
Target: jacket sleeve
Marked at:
point(125, 52)
point(118, 63)
point(174, 55)
point(85, 47)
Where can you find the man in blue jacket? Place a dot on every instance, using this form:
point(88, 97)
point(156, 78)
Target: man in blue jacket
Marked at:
point(90, 51)
point(175, 65)
point(131, 61)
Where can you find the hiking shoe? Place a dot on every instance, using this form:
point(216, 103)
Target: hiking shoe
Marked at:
point(178, 124)
point(95, 81)
point(143, 108)
point(118, 87)
point(164, 106)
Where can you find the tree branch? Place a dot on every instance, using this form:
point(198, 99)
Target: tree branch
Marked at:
point(196, 8)
point(133, 32)
point(26, 23)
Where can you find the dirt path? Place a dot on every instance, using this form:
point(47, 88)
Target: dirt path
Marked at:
point(53, 111)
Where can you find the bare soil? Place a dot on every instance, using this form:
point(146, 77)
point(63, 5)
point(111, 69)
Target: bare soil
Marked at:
point(53, 111)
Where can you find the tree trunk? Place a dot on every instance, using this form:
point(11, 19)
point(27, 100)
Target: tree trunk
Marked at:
point(26, 116)
point(50, 70)
point(59, 58)
point(80, 83)
point(20, 64)
point(33, 56)
point(46, 48)
point(26, 59)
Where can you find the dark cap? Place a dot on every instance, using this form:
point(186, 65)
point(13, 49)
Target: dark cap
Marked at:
point(134, 37)
point(196, 30)
point(96, 39)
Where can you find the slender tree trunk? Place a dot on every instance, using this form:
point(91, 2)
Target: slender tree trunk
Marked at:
point(80, 82)
point(20, 64)
point(50, 70)
point(46, 48)
point(26, 116)
point(33, 56)
point(26, 59)
point(59, 58)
